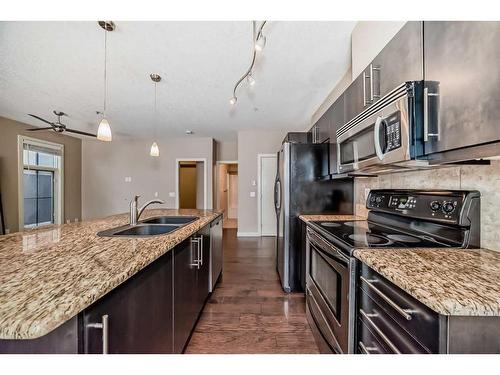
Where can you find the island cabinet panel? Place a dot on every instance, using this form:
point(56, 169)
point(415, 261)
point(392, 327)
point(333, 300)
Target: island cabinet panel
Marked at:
point(191, 285)
point(136, 317)
point(185, 292)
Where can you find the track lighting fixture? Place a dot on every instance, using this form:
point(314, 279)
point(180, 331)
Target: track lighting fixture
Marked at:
point(259, 41)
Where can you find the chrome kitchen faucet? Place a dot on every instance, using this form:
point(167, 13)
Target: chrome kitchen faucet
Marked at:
point(136, 213)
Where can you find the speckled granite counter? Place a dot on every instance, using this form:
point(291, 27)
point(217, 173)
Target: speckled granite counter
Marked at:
point(449, 281)
point(49, 275)
point(306, 218)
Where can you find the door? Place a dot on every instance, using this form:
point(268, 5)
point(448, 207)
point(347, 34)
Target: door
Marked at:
point(232, 196)
point(462, 82)
point(267, 210)
point(185, 286)
point(137, 316)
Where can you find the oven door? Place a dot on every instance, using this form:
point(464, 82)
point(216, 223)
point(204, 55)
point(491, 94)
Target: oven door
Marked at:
point(328, 291)
point(378, 136)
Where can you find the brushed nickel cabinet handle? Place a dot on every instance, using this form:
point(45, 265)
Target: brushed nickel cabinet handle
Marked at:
point(372, 79)
point(379, 331)
point(196, 261)
point(404, 312)
point(104, 325)
point(367, 349)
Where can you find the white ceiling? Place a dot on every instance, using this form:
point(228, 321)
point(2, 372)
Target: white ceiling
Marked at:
point(59, 65)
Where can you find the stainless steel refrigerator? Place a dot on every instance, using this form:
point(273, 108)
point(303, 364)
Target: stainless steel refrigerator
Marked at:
point(300, 189)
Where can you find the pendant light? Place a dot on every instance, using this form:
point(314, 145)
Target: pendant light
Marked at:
point(155, 150)
point(104, 130)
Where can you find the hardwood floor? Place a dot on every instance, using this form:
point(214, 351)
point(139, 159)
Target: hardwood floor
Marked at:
point(248, 312)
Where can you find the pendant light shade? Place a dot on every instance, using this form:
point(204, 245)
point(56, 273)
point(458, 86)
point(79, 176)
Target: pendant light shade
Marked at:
point(104, 131)
point(155, 151)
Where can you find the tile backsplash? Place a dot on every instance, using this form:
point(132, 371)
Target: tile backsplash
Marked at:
point(484, 178)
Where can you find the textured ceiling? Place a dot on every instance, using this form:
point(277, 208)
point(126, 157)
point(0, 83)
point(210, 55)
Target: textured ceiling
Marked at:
point(59, 65)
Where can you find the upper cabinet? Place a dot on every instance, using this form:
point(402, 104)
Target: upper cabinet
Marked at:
point(462, 88)
point(398, 62)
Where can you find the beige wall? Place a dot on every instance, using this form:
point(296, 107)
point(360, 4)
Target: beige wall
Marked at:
point(226, 151)
point(9, 130)
point(105, 166)
point(250, 144)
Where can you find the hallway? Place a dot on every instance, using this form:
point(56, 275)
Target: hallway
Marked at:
point(248, 312)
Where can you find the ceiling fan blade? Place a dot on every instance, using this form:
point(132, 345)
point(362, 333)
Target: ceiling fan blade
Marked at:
point(36, 129)
point(41, 119)
point(80, 132)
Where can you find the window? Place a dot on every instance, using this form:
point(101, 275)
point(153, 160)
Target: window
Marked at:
point(40, 182)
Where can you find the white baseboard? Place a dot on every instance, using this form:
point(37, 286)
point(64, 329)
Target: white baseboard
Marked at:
point(247, 234)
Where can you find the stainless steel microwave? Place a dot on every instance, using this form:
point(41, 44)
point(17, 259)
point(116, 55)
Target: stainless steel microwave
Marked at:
point(382, 136)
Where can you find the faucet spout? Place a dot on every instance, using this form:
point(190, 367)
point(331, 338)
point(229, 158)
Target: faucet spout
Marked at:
point(135, 213)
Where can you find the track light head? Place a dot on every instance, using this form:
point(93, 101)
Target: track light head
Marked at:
point(260, 43)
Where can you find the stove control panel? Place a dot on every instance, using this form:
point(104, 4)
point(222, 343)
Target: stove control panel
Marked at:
point(439, 205)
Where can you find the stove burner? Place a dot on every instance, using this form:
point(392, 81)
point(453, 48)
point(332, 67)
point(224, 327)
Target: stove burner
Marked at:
point(330, 224)
point(403, 238)
point(370, 239)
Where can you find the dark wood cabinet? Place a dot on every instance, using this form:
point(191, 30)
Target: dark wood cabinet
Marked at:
point(136, 317)
point(462, 90)
point(337, 119)
point(185, 281)
point(400, 61)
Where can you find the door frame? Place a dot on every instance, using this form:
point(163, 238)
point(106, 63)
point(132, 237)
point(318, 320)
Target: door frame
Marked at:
point(216, 178)
point(259, 189)
point(177, 161)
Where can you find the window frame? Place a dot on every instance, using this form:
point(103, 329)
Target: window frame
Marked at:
point(58, 179)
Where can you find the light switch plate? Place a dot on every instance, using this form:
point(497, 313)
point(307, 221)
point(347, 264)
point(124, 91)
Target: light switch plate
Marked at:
point(128, 179)
point(252, 194)
point(171, 194)
point(156, 194)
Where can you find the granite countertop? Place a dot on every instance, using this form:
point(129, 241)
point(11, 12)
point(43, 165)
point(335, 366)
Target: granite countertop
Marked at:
point(49, 275)
point(327, 217)
point(462, 282)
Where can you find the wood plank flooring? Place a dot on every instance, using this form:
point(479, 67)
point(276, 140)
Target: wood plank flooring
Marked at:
point(248, 312)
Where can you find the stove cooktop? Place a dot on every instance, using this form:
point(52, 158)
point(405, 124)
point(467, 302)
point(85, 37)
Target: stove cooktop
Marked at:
point(360, 233)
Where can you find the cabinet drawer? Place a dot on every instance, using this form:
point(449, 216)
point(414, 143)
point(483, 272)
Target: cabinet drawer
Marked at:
point(412, 316)
point(368, 343)
point(387, 330)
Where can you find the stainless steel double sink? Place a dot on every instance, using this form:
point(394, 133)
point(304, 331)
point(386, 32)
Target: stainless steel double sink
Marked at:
point(149, 227)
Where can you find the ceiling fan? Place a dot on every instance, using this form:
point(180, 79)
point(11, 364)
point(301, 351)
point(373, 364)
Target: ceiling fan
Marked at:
point(58, 126)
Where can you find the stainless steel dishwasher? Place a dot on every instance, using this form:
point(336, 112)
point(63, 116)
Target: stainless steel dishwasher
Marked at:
point(216, 255)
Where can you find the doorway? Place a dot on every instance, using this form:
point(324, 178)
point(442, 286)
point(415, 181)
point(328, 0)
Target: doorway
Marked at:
point(227, 192)
point(191, 184)
point(267, 175)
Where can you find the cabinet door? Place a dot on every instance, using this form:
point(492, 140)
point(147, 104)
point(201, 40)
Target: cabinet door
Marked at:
point(185, 291)
point(337, 119)
point(463, 83)
point(355, 98)
point(400, 61)
point(139, 314)
point(203, 276)
point(323, 132)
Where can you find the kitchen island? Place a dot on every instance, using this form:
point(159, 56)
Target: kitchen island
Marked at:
point(49, 276)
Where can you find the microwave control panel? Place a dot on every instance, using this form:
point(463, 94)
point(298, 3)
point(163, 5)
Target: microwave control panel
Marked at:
point(392, 126)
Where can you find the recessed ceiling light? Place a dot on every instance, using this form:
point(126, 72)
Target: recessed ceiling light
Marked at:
point(189, 132)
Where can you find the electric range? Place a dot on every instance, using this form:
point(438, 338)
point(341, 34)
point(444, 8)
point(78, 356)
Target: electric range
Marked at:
point(396, 219)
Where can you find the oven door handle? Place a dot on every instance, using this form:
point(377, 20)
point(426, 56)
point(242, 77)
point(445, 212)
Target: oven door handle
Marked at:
point(332, 251)
point(376, 138)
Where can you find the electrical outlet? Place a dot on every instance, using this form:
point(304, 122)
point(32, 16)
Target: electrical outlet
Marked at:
point(7, 230)
point(252, 194)
point(367, 192)
point(171, 194)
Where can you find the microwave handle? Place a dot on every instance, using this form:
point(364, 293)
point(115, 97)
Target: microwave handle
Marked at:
point(376, 138)
point(426, 116)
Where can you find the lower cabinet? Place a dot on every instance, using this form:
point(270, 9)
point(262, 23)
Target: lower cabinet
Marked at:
point(136, 317)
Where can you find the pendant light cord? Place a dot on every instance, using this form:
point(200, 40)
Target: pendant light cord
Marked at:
point(105, 65)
